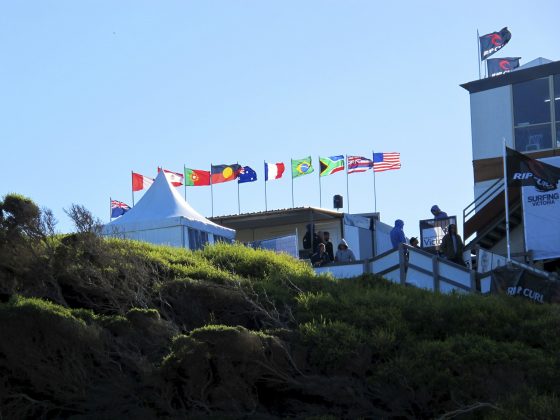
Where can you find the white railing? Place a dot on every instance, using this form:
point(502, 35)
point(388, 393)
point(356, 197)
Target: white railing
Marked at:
point(413, 266)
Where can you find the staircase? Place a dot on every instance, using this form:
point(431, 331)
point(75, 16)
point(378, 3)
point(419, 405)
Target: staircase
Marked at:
point(486, 216)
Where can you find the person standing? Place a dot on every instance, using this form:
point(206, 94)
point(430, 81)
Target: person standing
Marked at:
point(343, 253)
point(452, 246)
point(414, 242)
point(438, 214)
point(328, 244)
point(397, 234)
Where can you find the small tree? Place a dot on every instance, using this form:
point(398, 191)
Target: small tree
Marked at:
point(83, 220)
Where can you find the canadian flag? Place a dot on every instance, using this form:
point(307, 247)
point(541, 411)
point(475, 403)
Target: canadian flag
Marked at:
point(140, 182)
point(273, 170)
point(175, 178)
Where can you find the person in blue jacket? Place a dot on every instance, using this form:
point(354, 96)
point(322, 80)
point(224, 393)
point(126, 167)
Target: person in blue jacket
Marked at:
point(438, 214)
point(397, 234)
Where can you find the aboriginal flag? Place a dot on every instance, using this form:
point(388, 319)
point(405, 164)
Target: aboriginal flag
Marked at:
point(224, 173)
point(493, 42)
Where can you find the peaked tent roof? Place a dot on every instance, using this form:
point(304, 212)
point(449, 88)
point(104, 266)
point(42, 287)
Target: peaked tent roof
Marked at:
point(162, 203)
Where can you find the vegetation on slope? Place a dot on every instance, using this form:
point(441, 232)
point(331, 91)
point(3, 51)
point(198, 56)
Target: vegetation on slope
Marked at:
point(107, 328)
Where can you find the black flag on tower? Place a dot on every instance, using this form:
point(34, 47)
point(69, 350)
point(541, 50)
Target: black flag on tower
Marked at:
point(493, 42)
point(497, 66)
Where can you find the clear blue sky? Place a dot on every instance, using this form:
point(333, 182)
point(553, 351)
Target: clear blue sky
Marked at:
point(91, 90)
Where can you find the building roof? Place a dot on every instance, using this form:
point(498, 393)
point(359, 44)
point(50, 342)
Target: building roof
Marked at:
point(277, 218)
point(529, 71)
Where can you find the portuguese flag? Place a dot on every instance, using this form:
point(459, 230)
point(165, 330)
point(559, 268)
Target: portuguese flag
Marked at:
point(196, 177)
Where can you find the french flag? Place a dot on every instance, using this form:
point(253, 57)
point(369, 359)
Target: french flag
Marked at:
point(273, 170)
point(140, 182)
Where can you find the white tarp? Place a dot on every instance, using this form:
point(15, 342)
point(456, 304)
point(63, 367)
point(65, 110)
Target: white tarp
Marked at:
point(163, 216)
point(541, 213)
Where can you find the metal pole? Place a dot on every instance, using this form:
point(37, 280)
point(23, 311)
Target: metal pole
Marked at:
point(347, 190)
point(211, 190)
point(507, 200)
point(374, 191)
point(265, 181)
point(110, 209)
point(132, 186)
point(320, 195)
point(291, 165)
point(185, 182)
point(478, 49)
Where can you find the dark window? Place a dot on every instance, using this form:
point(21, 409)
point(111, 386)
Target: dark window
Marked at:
point(532, 138)
point(531, 102)
point(197, 239)
point(557, 97)
point(558, 134)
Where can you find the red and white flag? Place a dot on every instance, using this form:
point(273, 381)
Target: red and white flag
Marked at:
point(273, 170)
point(140, 182)
point(175, 178)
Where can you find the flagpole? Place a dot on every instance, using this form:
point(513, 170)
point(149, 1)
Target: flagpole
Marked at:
point(185, 181)
point(507, 200)
point(265, 181)
point(132, 186)
point(211, 190)
point(320, 193)
point(291, 165)
point(374, 190)
point(238, 200)
point(478, 49)
point(347, 190)
point(110, 209)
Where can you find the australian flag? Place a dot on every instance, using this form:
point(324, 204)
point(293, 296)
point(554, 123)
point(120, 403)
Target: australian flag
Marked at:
point(493, 42)
point(118, 208)
point(497, 66)
point(246, 174)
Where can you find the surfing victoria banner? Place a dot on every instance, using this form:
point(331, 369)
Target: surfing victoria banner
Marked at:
point(540, 180)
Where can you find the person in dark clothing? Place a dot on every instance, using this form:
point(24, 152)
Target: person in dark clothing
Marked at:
point(452, 246)
point(328, 244)
point(321, 257)
point(311, 239)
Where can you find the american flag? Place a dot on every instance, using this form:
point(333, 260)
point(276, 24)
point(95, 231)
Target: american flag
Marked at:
point(358, 164)
point(386, 161)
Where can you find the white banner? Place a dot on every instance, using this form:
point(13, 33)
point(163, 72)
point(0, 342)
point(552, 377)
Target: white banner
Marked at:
point(541, 213)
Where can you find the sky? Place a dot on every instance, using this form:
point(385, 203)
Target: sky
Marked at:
point(92, 90)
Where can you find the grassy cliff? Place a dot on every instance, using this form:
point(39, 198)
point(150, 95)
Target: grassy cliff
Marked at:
point(94, 328)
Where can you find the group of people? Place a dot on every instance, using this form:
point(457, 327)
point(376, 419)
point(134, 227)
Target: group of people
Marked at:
point(451, 246)
point(322, 248)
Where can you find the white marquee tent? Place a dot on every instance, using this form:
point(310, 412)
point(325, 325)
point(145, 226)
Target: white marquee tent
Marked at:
point(163, 217)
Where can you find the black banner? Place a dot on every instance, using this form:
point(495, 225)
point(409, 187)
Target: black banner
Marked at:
point(497, 66)
point(516, 281)
point(522, 170)
point(491, 43)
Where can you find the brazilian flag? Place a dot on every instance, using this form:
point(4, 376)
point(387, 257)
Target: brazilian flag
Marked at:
point(301, 167)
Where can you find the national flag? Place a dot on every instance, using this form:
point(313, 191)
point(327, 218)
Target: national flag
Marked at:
point(224, 173)
point(386, 161)
point(118, 208)
point(331, 165)
point(497, 66)
point(196, 177)
point(140, 182)
point(359, 164)
point(522, 170)
point(175, 178)
point(246, 174)
point(493, 42)
point(301, 167)
point(273, 170)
